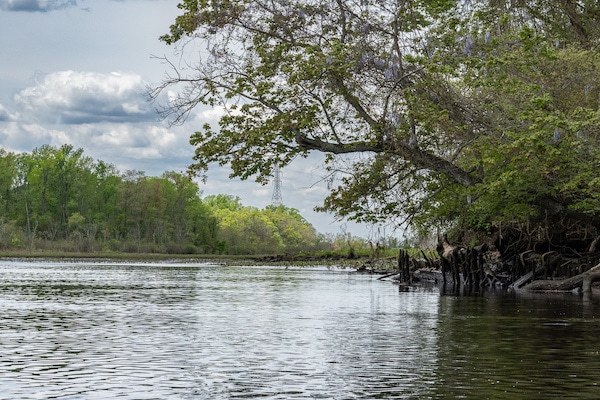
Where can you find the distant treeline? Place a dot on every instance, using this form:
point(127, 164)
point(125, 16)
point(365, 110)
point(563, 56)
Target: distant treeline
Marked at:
point(59, 199)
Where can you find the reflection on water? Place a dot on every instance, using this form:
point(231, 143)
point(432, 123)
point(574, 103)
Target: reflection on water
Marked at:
point(535, 346)
point(155, 331)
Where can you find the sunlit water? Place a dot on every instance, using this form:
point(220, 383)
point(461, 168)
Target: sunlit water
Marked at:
point(160, 331)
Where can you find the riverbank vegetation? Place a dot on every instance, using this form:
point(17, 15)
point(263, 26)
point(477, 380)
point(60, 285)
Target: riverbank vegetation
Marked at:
point(56, 200)
point(475, 119)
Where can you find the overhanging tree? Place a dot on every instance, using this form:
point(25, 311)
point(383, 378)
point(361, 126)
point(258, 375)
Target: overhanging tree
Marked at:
point(470, 114)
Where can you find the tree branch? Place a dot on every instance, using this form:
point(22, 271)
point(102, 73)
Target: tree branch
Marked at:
point(555, 207)
point(336, 148)
point(420, 158)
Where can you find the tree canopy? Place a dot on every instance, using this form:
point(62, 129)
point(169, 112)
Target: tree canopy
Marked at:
point(432, 113)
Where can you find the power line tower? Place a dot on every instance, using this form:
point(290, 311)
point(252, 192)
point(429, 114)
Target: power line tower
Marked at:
point(276, 199)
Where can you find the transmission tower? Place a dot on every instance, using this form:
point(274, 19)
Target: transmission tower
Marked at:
point(276, 200)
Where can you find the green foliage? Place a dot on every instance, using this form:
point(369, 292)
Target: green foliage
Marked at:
point(434, 114)
point(295, 232)
point(58, 198)
point(248, 230)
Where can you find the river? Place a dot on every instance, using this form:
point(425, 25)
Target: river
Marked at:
point(103, 330)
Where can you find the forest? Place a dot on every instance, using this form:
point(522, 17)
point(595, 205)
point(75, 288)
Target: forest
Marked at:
point(58, 199)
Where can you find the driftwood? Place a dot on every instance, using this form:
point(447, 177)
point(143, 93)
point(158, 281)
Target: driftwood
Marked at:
point(583, 281)
point(518, 284)
point(383, 277)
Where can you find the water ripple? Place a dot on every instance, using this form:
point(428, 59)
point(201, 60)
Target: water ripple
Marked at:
point(154, 331)
point(86, 331)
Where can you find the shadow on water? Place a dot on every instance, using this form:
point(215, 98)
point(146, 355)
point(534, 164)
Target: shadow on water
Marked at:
point(499, 344)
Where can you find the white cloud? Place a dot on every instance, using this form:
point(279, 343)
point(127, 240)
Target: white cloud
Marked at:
point(36, 5)
point(150, 148)
point(5, 115)
point(71, 97)
point(139, 142)
point(263, 192)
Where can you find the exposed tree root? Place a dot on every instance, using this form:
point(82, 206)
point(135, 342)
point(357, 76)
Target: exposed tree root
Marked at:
point(562, 259)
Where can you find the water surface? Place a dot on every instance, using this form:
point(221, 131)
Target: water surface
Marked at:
point(196, 331)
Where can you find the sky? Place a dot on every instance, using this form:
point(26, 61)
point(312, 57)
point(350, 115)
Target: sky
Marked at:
point(78, 71)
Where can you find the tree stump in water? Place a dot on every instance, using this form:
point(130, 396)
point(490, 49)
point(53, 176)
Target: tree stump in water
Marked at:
point(404, 273)
point(449, 260)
